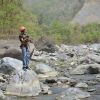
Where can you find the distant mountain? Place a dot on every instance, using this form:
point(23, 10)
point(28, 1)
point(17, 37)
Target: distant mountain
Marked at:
point(89, 13)
point(52, 10)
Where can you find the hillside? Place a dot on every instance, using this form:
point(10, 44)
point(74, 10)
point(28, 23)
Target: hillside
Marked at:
point(51, 10)
point(50, 19)
point(89, 13)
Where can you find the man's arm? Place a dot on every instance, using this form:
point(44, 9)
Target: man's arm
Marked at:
point(23, 40)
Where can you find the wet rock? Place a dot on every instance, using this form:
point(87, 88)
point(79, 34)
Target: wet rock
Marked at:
point(86, 69)
point(8, 65)
point(81, 85)
point(24, 83)
point(2, 96)
point(73, 94)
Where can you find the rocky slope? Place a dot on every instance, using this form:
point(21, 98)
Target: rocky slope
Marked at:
point(89, 12)
point(52, 10)
point(79, 11)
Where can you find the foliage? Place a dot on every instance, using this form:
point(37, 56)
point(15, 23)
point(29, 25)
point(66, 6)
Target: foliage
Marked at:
point(74, 33)
point(12, 16)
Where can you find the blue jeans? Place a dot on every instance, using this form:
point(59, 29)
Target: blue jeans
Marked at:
point(26, 56)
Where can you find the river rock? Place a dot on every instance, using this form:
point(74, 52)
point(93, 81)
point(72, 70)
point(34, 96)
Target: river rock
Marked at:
point(86, 69)
point(24, 83)
point(45, 71)
point(2, 96)
point(8, 65)
point(45, 88)
point(2, 79)
point(81, 85)
point(98, 77)
point(3, 86)
point(68, 81)
point(84, 60)
point(40, 58)
point(95, 48)
point(95, 58)
point(43, 68)
point(73, 94)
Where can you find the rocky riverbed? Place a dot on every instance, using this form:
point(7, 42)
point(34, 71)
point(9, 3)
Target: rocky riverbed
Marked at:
point(65, 72)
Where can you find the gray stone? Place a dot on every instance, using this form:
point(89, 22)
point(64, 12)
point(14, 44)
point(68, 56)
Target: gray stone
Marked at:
point(98, 77)
point(2, 96)
point(24, 83)
point(43, 68)
point(8, 65)
point(68, 81)
point(41, 58)
point(45, 88)
point(81, 85)
point(86, 69)
point(95, 48)
point(45, 71)
point(3, 86)
point(73, 94)
point(2, 79)
point(94, 57)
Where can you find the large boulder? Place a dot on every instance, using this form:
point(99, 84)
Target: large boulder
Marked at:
point(86, 69)
point(8, 65)
point(43, 44)
point(45, 71)
point(73, 94)
point(13, 52)
point(24, 83)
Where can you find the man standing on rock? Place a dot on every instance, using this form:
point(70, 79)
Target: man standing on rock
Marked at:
point(25, 40)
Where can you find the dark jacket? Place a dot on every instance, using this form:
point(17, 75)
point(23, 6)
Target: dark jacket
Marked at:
point(24, 39)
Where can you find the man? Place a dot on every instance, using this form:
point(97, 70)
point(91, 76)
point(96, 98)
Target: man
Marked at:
point(25, 40)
